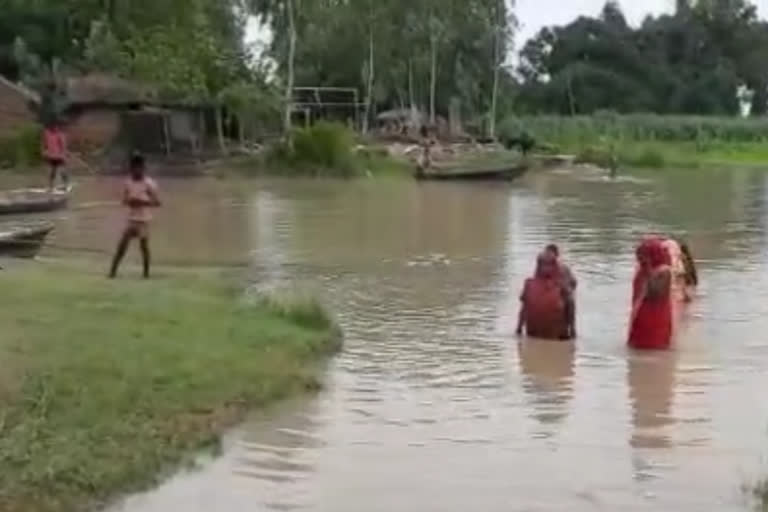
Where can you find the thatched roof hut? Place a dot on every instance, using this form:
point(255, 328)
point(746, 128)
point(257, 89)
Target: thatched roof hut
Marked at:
point(107, 90)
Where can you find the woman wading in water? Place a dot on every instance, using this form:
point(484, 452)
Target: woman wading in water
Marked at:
point(542, 302)
point(651, 322)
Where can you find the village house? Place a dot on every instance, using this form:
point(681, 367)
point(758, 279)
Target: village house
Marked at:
point(113, 116)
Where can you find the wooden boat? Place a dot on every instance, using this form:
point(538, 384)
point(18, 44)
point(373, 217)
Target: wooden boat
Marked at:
point(505, 172)
point(33, 200)
point(23, 240)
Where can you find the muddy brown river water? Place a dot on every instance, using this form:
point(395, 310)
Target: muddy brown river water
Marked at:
point(433, 405)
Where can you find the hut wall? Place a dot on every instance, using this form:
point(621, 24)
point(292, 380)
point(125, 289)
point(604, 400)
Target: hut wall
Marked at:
point(93, 128)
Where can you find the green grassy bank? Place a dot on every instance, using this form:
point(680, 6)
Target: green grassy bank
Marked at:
point(106, 386)
point(660, 154)
point(652, 141)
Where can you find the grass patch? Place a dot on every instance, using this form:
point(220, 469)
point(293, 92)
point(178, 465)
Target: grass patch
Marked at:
point(660, 154)
point(105, 386)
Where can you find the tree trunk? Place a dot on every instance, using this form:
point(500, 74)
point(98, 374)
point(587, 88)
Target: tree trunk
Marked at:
point(495, 89)
point(110, 11)
point(220, 130)
point(759, 100)
point(202, 131)
point(411, 103)
point(291, 63)
point(241, 129)
point(432, 78)
point(369, 82)
point(167, 136)
point(571, 98)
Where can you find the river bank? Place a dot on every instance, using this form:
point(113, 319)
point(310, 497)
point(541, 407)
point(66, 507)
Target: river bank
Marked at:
point(665, 154)
point(108, 385)
point(649, 140)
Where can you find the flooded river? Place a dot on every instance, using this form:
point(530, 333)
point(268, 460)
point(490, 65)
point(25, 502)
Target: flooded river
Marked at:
point(433, 405)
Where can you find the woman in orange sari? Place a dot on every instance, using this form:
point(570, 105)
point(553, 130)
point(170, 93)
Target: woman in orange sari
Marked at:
point(651, 325)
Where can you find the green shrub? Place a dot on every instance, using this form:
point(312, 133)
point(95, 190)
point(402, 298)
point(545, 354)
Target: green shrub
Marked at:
point(328, 145)
point(21, 148)
point(648, 157)
point(322, 149)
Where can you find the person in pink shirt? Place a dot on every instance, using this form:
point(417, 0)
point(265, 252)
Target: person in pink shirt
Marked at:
point(140, 195)
point(55, 153)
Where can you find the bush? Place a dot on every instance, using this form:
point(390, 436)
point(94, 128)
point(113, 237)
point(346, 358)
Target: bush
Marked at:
point(323, 148)
point(22, 148)
point(649, 158)
point(325, 144)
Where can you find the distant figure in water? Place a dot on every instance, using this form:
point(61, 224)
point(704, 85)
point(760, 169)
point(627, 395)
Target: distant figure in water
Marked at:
point(139, 195)
point(568, 284)
point(613, 167)
point(55, 153)
point(691, 273)
point(613, 162)
point(542, 307)
point(651, 318)
point(425, 160)
point(524, 142)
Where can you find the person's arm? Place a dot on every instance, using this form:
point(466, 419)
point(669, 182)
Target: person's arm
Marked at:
point(127, 201)
point(522, 313)
point(659, 284)
point(572, 279)
point(154, 196)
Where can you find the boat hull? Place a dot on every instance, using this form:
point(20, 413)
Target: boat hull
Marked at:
point(33, 201)
point(23, 240)
point(505, 173)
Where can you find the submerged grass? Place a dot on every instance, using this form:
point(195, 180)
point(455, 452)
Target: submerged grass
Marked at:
point(105, 386)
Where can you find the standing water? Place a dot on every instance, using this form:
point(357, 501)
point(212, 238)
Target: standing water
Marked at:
point(433, 405)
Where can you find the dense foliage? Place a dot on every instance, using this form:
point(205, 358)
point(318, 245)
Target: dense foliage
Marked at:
point(639, 127)
point(399, 53)
point(187, 48)
point(703, 59)
point(439, 56)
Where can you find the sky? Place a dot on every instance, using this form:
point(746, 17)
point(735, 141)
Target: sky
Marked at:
point(536, 14)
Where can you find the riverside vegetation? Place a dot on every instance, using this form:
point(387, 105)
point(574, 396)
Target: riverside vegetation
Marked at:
point(104, 387)
point(652, 141)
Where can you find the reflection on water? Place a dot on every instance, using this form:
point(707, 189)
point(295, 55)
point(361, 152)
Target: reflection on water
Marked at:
point(651, 380)
point(548, 371)
point(433, 405)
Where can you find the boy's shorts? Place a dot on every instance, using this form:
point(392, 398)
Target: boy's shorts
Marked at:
point(137, 229)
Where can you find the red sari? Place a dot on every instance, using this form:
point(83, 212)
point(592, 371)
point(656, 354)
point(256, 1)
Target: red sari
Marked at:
point(543, 304)
point(651, 322)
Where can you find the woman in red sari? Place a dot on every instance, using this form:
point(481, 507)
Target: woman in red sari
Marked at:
point(542, 303)
point(651, 324)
